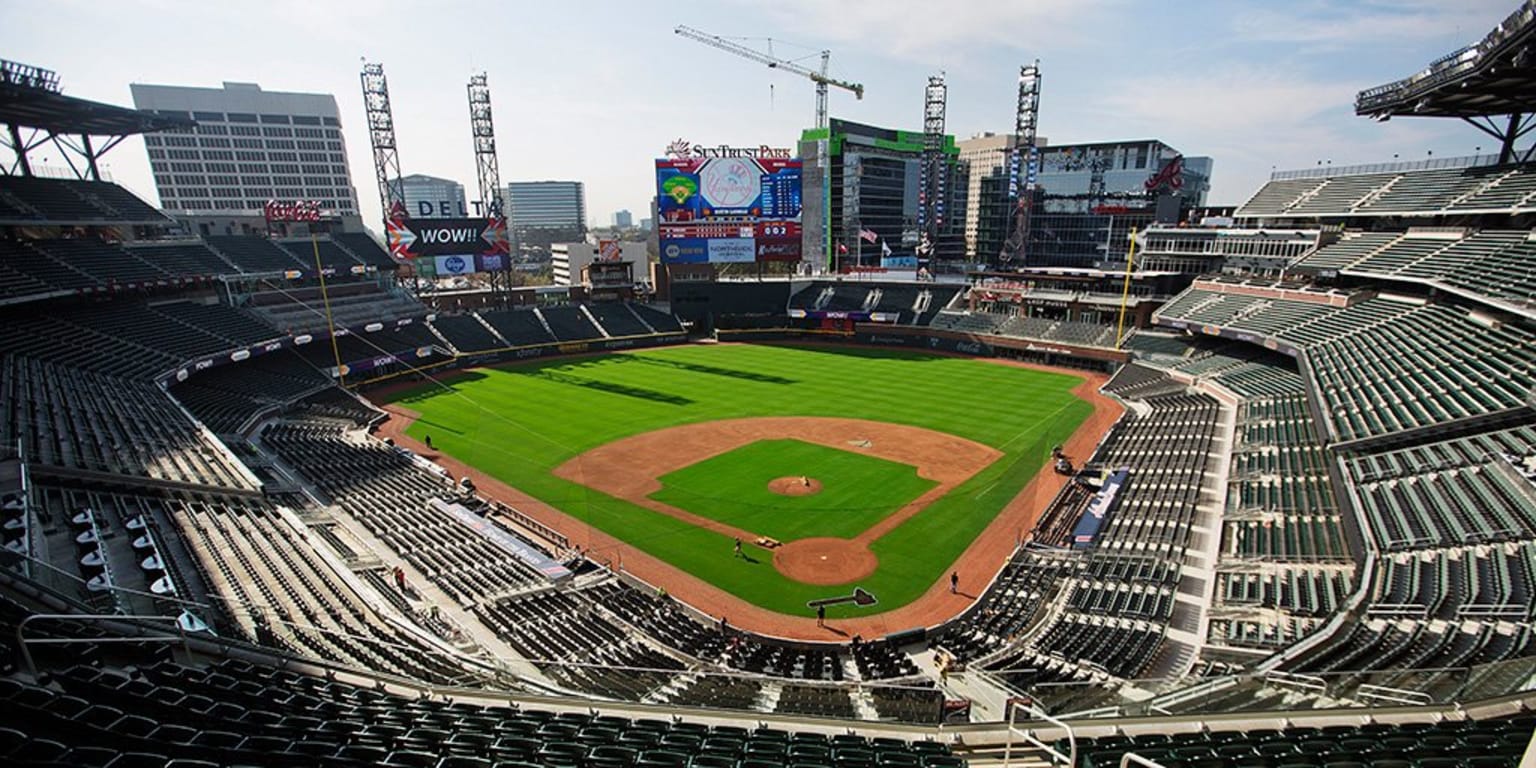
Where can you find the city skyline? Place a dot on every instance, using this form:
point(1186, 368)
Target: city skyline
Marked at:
point(1252, 86)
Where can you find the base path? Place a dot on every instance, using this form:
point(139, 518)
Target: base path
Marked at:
point(977, 565)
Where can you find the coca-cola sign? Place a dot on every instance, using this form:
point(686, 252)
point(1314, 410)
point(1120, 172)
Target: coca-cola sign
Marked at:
point(292, 210)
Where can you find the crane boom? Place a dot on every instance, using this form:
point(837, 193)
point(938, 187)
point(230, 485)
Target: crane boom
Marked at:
point(819, 78)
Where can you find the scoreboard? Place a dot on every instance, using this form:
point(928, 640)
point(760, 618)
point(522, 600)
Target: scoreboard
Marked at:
point(728, 209)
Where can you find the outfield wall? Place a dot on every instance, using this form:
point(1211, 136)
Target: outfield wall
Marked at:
point(918, 337)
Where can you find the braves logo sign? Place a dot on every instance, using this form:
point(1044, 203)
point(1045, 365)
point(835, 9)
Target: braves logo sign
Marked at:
point(1170, 175)
point(680, 149)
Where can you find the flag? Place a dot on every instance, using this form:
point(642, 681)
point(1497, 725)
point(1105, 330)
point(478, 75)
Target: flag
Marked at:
point(885, 250)
point(842, 249)
point(868, 235)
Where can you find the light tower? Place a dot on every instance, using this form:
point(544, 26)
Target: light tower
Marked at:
point(1021, 186)
point(933, 182)
point(484, 135)
point(381, 133)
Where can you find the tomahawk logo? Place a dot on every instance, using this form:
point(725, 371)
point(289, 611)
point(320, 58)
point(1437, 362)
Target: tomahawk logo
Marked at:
point(1170, 175)
point(680, 149)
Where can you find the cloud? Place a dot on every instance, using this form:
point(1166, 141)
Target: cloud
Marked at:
point(1251, 120)
point(1355, 24)
point(923, 28)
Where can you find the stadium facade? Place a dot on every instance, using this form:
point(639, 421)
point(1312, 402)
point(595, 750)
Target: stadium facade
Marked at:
point(250, 146)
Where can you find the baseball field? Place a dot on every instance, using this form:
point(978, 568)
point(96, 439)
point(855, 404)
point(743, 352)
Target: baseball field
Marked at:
point(853, 467)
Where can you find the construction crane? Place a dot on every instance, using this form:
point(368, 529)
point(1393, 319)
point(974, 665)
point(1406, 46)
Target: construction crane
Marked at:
point(819, 78)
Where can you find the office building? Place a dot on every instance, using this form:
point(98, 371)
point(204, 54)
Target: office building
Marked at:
point(546, 212)
point(430, 197)
point(623, 219)
point(569, 260)
point(1088, 198)
point(875, 179)
point(250, 146)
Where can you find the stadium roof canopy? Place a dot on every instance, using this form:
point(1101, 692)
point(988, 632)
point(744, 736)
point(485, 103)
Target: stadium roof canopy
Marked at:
point(55, 112)
point(30, 99)
point(1495, 76)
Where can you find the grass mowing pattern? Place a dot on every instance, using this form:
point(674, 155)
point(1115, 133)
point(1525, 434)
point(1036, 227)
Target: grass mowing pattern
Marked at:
point(519, 422)
point(857, 490)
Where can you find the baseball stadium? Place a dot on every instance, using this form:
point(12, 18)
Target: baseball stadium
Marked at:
point(1245, 487)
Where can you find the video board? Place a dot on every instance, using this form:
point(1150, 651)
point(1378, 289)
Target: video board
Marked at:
point(724, 210)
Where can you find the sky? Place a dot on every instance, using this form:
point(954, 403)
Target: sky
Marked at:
point(594, 90)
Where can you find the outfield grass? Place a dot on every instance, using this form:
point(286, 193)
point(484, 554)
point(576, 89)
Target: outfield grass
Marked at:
point(519, 422)
point(857, 490)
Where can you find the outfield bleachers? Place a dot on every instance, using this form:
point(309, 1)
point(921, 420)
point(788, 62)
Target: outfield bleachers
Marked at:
point(466, 334)
point(569, 323)
point(519, 327)
point(618, 320)
point(660, 322)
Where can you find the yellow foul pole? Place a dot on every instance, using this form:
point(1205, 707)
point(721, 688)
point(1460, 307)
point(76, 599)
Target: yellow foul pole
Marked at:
point(325, 298)
point(1125, 291)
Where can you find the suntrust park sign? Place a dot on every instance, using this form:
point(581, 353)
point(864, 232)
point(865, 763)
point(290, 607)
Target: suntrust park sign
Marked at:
point(683, 149)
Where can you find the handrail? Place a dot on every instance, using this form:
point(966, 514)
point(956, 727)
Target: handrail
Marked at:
point(1131, 758)
point(24, 642)
point(1370, 692)
point(1014, 705)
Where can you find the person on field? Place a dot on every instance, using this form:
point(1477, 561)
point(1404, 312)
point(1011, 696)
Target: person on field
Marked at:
point(821, 615)
point(738, 548)
point(954, 582)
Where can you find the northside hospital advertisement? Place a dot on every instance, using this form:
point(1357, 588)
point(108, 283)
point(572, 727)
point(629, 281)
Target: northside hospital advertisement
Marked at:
point(725, 205)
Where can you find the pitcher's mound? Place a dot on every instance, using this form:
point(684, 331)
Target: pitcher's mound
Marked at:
point(795, 486)
point(824, 561)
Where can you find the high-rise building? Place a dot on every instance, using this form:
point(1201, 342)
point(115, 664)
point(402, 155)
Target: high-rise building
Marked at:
point(985, 155)
point(1090, 197)
point(875, 181)
point(250, 146)
point(545, 212)
point(429, 197)
point(623, 219)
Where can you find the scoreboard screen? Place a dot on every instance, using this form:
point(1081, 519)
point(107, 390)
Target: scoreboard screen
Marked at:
point(728, 209)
